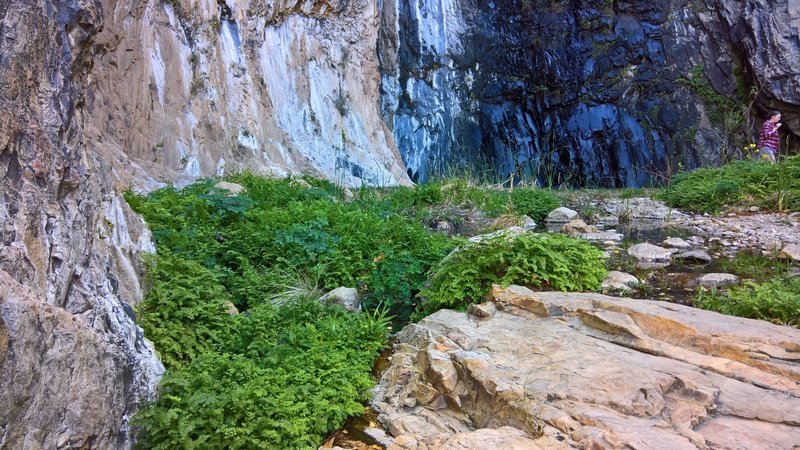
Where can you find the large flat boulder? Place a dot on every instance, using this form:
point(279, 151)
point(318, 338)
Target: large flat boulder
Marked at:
point(591, 371)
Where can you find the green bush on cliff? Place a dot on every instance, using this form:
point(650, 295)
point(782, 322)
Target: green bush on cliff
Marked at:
point(776, 300)
point(540, 261)
point(742, 183)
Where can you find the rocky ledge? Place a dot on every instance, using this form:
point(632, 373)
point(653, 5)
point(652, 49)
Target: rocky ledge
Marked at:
point(534, 370)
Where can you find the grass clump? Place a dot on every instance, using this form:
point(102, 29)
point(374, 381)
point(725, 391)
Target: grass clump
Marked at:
point(423, 201)
point(539, 261)
point(776, 300)
point(742, 183)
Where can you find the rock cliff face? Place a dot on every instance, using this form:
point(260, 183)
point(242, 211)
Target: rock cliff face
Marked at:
point(182, 89)
point(73, 365)
point(590, 92)
point(552, 370)
point(100, 95)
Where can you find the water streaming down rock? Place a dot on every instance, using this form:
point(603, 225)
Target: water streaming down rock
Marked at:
point(586, 93)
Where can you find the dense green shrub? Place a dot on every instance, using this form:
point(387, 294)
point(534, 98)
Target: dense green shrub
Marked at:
point(184, 312)
point(776, 300)
point(276, 227)
point(288, 376)
point(535, 203)
point(742, 183)
point(540, 261)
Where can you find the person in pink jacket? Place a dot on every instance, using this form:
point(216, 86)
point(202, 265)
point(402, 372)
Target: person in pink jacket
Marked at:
point(768, 138)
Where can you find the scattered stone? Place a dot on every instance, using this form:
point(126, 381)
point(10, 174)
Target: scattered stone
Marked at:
point(608, 221)
point(528, 223)
point(694, 256)
point(344, 296)
point(483, 310)
point(717, 279)
point(231, 309)
point(696, 241)
point(619, 281)
point(348, 195)
point(650, 252)
point(676, 242)
point(561, 215)
point(791, 251)
point(232, 188)
point(444, 226)
point(603, 236)
point(610, 243)
point(642, 208)
point(576, 227)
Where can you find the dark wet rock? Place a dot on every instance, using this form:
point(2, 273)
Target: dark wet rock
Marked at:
point(591, 93)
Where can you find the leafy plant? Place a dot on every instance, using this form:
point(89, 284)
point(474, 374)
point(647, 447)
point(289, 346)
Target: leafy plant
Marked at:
point(539, 261)
point(776, 300)
point(534, 203)
point(184, 312)
point(287, 377)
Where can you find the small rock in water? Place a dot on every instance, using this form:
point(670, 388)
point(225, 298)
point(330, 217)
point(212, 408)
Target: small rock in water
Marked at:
point(619, 281)
point(576, 227)
point(561, 214)
point(675, 242)
point(694, 256)
point(717, 279)
point(650, 252)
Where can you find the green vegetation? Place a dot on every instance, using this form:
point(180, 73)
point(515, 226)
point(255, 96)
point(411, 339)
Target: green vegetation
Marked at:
point(776, 300)
point(742, 183)
point(540, 261)
point(284, 378)
point(287, 370)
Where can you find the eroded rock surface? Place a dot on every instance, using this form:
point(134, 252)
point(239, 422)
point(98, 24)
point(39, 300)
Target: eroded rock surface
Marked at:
point(591, 371)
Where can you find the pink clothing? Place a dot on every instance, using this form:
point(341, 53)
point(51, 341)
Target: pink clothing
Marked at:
point(768, 137)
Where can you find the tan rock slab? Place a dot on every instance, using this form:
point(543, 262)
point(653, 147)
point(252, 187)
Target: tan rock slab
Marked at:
point(591, 371)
